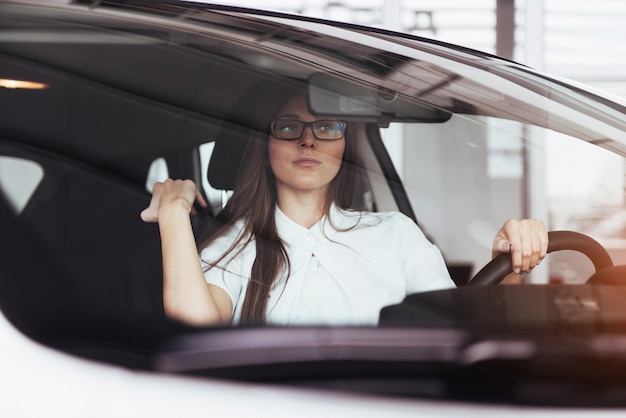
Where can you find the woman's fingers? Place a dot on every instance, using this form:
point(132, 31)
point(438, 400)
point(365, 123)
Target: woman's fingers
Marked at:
point(539, 242)
point(171, 192)
point(201, 202)
point(200, 199)
point(526, 240)
point(150, 214)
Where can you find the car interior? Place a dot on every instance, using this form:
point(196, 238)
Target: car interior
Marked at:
point(118, 101)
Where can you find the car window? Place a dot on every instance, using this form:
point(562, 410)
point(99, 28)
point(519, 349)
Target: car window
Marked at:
point(155, 129)
point(19, 179)
point(580, 187)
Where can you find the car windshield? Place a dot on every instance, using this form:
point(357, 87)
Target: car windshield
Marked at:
point(102, 103)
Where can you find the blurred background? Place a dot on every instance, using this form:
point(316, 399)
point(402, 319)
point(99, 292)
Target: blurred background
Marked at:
point(578, 39)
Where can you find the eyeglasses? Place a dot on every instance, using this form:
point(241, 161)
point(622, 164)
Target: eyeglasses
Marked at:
point(290, 129)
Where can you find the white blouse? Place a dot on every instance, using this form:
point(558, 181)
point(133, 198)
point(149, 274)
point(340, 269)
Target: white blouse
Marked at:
point(343, 269)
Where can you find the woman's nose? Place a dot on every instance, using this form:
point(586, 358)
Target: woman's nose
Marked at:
point(307, 140)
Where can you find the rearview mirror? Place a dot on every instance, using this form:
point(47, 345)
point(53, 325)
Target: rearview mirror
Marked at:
point(331, 95)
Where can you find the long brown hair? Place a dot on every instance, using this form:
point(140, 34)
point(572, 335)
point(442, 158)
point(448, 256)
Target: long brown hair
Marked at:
point(254, 201)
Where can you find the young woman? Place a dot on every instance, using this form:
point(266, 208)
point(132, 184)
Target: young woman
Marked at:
point(288, 249)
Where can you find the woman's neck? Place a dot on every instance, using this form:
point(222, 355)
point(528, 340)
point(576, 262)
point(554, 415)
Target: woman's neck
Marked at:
point(304, 209)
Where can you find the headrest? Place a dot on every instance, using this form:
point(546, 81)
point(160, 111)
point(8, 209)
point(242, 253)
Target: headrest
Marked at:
point(226, 159)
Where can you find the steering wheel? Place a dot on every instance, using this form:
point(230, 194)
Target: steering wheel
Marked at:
point(498, 268)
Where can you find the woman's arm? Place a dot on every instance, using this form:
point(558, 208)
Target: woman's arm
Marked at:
point(186, 295)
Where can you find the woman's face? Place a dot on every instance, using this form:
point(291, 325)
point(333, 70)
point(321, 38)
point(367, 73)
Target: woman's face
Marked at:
point(306, 164)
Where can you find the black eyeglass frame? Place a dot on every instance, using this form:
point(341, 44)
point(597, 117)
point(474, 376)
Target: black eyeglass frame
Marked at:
point(310, 125)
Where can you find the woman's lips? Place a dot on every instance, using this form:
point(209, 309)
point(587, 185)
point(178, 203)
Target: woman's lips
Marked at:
point(307, 162)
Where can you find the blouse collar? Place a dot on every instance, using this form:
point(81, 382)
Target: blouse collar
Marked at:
point(293, 233)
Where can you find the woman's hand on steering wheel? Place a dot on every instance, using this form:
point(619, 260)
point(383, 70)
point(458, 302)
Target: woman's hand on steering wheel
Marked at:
point(526, 240)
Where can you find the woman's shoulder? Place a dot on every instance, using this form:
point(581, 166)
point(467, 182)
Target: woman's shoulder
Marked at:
point(233, 238)
point(393, 228)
